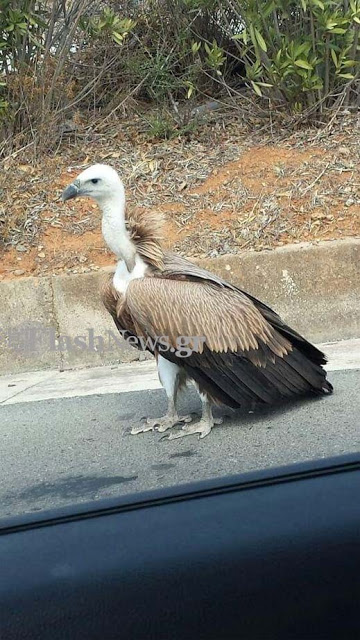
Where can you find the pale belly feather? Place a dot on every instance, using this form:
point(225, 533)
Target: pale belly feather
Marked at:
point(122, 277)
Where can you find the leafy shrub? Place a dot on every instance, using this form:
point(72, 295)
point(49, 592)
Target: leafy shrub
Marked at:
point(53, 57)
point(166, 126)
point(301, 53)
point(73, 59)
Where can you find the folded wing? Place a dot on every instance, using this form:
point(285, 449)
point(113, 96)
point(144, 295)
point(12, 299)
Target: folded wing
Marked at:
point(239, 355)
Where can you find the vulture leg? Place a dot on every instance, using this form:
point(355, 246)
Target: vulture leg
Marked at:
point(170, 378)
point(204, 426)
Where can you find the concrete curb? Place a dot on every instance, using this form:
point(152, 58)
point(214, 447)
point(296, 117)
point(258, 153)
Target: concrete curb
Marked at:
point(316, 289)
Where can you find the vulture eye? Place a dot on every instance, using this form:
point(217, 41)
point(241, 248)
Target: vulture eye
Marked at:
point(95, 180)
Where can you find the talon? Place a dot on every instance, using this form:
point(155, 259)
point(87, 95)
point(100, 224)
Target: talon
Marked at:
point(174, 436)
point(161, 424)
point(167, 422)
point(203, 428)
point(136, 430)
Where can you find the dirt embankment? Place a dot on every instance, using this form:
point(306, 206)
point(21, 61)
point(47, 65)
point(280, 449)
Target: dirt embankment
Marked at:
point(220, 192)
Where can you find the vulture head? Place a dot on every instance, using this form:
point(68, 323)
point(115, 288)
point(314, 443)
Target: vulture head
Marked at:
point(103, 184)
point(100, 182)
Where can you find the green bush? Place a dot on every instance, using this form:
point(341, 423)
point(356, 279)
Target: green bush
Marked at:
point(54, 57)
point(303, 53)
point(20, 25)
point(74, 59)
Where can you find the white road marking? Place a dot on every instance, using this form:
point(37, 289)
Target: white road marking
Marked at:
point(136, 376)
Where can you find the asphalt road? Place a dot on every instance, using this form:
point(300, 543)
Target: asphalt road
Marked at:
point(61, 451)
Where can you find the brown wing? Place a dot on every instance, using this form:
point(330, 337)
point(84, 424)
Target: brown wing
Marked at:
point(223, 319)
point(178, 267)
point(243, 359)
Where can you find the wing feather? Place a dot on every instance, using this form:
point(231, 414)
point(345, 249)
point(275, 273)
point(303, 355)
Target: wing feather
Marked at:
point(226, 319)
point(176, 266)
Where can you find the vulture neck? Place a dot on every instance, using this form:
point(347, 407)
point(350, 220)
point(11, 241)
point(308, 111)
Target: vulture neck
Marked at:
point(134, 239)
point(114, 229)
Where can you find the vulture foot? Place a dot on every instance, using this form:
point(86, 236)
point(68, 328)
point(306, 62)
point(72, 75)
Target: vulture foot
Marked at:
point(203, 428)
point(166, 422)
point(161, 424)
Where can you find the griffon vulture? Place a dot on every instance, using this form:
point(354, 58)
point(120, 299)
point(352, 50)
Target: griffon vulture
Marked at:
point(240, 352)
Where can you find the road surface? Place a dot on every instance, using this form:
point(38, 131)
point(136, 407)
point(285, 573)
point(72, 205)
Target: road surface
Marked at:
point(60, 450)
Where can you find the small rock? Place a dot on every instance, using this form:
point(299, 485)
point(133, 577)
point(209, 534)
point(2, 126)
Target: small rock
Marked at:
point(41, 254)
point(349, 202)
point(214, 253)
point(21, 248)
point(227, 267)
point(19, 272)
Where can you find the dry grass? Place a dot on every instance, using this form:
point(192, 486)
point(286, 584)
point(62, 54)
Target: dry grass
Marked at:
point(223, 189)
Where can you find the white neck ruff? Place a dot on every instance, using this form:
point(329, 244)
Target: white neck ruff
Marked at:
point(117, 238)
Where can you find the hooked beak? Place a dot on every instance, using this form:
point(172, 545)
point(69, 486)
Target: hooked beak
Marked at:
point(71, 191)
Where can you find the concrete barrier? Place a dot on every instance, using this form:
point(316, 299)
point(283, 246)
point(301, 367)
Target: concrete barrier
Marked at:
point(315, 288)
point(25, 303)
point(80, 312)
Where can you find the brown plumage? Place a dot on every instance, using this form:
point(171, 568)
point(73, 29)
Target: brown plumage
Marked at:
point(146, 232)
point(249, 353)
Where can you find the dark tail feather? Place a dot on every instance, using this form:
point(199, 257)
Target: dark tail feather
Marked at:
point(327, 387)
point(234, 380)
point(310, 371)
point(297, 340)
point(306, 348)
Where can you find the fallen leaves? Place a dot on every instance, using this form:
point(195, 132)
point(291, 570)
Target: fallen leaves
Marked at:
point(222, 190)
